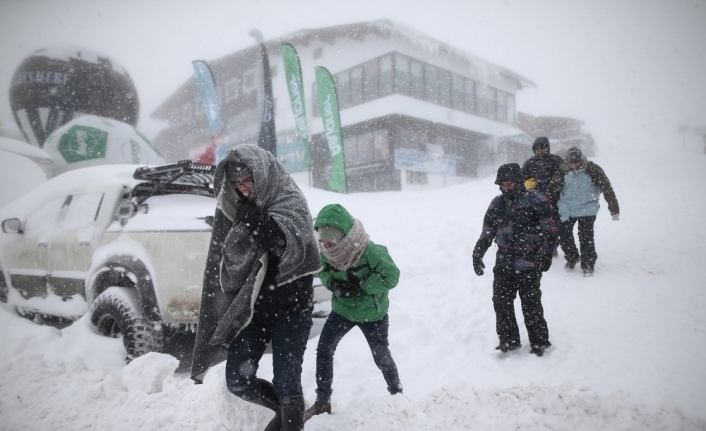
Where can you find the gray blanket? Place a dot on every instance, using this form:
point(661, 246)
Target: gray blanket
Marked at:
point(236, 265)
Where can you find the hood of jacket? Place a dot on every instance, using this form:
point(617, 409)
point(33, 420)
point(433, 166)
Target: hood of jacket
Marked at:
point(334, 215)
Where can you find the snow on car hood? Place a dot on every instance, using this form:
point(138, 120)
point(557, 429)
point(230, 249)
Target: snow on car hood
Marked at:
point(80, 180)
point(173, 213)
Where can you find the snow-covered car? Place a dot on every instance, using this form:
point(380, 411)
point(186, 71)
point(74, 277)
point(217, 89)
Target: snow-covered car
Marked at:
point(127, 245)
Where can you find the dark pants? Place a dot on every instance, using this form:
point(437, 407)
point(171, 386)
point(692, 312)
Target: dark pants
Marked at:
point(506, 284)
point(289, 335)
point(588, 254)
point(375, 333)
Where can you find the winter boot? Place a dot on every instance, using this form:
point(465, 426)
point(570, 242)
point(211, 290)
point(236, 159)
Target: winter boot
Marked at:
point(508, 347)
point(395, 388)
point(268, 399)
point(570, 265)
point(318, 408)
point(588, 272)
point(293, 415)
point(539, 349)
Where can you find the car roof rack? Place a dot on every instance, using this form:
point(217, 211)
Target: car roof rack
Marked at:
point(185, 172)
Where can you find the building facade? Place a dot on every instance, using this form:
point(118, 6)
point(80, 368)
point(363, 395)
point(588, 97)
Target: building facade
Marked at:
point(410, 105)
point(562, 132)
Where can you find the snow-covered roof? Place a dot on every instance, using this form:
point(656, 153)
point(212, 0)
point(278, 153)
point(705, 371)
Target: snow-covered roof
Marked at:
point(383, 28)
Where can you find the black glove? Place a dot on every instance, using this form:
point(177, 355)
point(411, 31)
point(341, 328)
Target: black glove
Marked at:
point(263, 228)
point(478, 266)
point(249, 214)
point(343, 289)
point(543, 263)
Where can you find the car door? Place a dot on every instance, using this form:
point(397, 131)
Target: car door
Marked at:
point(26, 254)
point(77, 230)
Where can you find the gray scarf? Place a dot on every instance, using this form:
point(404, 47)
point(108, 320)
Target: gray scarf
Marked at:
point(347, 252)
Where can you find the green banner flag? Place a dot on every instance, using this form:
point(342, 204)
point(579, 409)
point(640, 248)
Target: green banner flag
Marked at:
point(328, 106)
point(293, 74)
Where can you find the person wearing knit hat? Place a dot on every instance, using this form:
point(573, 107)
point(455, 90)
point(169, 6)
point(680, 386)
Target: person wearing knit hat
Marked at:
point(520, 222)
point(576, 188)
point(360, 274)
point(539, 169)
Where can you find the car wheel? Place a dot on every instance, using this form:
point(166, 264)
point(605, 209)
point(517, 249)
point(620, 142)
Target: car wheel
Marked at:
point(115, 313)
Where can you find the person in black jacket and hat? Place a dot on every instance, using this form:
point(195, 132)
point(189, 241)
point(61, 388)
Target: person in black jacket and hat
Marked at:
point(539, 170)
point(521, 223)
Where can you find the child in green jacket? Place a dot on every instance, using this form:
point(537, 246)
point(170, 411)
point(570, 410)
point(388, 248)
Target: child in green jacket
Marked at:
point(359, 273)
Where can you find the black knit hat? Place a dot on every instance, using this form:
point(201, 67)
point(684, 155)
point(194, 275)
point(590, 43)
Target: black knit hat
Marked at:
point(237, 170)
point(541, 142)
point(509, 172)
point(573, 154)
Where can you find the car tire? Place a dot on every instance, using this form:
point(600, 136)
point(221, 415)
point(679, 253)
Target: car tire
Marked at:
point(115, 312)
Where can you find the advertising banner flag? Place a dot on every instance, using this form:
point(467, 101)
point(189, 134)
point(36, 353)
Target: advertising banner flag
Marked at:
point(328, 106)
point(268, 135)
point(293, 74)
point(211, 105)
point(209, 95)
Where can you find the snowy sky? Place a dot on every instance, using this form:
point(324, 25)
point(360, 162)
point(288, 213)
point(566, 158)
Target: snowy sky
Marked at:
point(632, 70)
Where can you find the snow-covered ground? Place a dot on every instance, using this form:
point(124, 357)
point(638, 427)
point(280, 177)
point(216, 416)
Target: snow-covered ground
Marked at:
point(629, 344)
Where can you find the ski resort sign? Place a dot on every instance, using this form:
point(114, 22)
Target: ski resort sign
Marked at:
point(433, 160)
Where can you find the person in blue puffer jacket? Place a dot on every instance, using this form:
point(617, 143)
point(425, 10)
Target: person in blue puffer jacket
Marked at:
point(577, 187)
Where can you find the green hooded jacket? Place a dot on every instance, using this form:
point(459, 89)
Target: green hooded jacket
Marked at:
point(375, 269)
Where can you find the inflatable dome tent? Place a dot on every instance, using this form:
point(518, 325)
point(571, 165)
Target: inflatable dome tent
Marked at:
point(56, 84)
point(90, 140)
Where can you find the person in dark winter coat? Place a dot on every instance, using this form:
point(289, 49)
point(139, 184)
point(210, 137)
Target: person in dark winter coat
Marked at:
point(360, 274)
point(577, 187)
point(539, 169)
point(258, 283)
point(521, 223)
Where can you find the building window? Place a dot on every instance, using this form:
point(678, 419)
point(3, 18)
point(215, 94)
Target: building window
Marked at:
point(444, 88)
point(372, 76)
point(231, 90)
point(350, 150)
point(413, 140)
point(402, 75)
point(343, 89)
point(249, 81)
point(431, 83)
point(458, 92)
point(318, 53)
point(356, 86)
point(365, 148)
point(397, 73)
point(470, 106)
point(491, 98)
point(511, 109)
point(382, 145)
point(417, 72)
point(481, 101)
point(386, 75)
point(502, 106)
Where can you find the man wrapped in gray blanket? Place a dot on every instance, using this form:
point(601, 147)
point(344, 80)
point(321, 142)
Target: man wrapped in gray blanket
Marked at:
point(258, 283)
